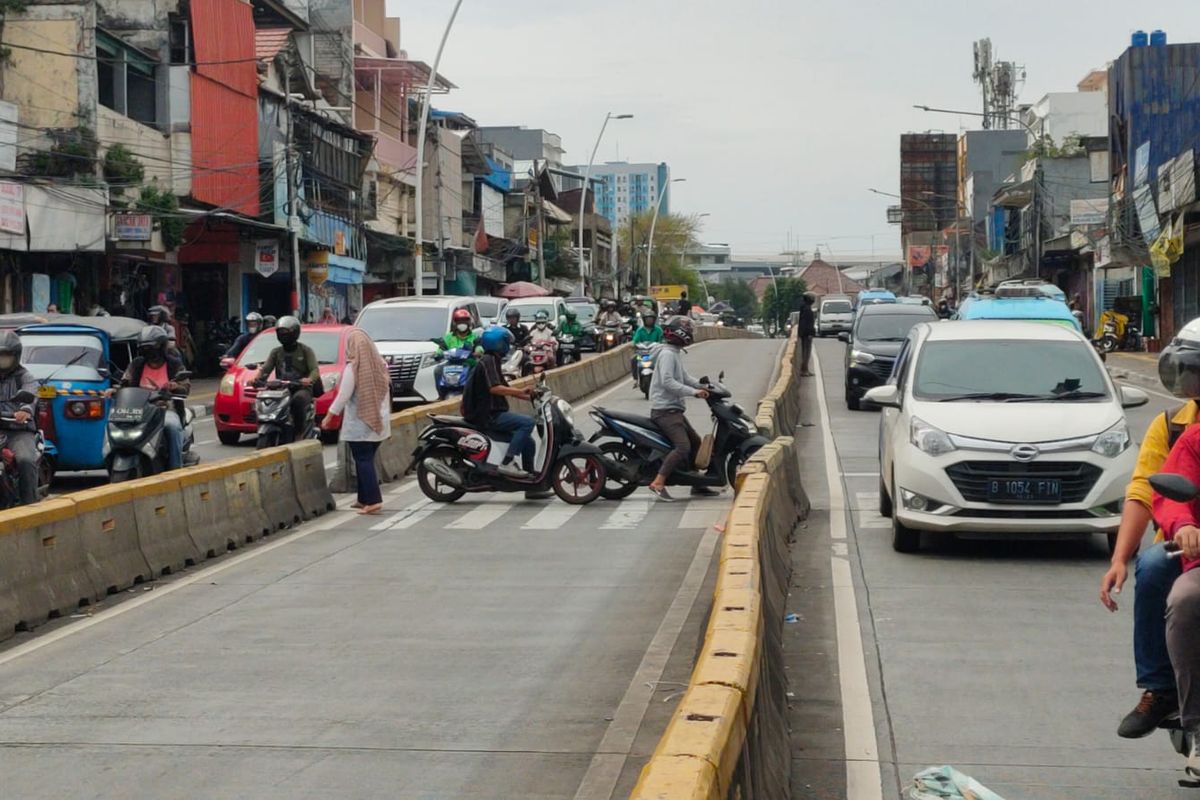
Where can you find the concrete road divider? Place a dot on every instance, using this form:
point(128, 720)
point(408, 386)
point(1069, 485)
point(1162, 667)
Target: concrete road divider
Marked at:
point(108, 532)
point(307, 462)
point(162, 524)
point(277, 488)
point(244, 495)
point(213, 526)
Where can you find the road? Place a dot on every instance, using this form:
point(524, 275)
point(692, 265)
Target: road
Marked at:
point(993, 656)
point(488, 649)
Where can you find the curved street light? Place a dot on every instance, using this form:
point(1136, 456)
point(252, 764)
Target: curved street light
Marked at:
point(653, 222)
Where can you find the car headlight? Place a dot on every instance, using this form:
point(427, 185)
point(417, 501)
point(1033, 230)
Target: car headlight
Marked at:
point(428, 360)
point(861, 357)
point(928, 439)
point(330, 380)
point(227, 384)
point(568, 413)
point(1113, 441)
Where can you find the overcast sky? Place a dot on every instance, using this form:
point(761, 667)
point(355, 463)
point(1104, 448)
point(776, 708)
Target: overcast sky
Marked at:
point(780, 113)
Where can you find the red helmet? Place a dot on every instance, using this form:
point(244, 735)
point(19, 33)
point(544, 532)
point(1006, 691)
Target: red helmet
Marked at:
point(460, 316)
point(678, 331)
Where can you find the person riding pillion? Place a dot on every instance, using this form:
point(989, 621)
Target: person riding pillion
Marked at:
point(158, 369)
point(542, 331)
point(254, 324)
point(1154, 571)
point(669, 389)
point(296, 362)
point(17, 390)
point(485, 403)
point(462, 334)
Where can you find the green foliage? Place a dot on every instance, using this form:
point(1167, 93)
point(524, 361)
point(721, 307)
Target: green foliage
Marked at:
point(673, 235)
point(560, 258)
point(6, 7)
point(121, 169)
point(1072, 146)
point(164, 207)
point(72, 153)
point(776, 308)
point(737, 294)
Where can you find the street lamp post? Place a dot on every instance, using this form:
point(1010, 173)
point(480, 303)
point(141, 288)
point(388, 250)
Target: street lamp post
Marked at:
point(1017, 120)
point(683, 255)
point(419, 249)
point(662, 193)
point(587, 178)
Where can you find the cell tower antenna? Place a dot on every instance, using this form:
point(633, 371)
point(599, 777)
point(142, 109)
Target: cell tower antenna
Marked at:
point(1000, 82)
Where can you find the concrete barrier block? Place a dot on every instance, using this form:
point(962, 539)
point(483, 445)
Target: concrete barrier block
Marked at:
point(162, 523)
point(308, 478)
point(343, 474)
point(277, 488)
point(107, 525)
point(214, 528)
point(708, 724)
point(729, 658)
point(736, 610)
point(677, 778)
point(244, 494)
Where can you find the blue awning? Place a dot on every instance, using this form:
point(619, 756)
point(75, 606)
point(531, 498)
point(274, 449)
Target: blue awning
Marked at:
point(341, 269)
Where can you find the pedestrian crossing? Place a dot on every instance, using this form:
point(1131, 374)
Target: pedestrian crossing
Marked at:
point(481, 512)
point(867, 510)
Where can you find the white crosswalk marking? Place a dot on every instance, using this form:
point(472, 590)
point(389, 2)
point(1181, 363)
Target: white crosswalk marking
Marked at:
point(628, 515)
point(703, 513)
point(552, 517)
point(407, 517)
point(481, 516)
point(868, 511)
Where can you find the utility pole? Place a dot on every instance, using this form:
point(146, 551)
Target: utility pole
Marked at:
point(541, 225)
point(293, 223)
point(441, 232)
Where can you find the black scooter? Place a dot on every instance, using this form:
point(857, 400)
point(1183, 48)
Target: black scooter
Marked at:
point(136, 444)
point(637, 444)
point(273, 410)
point(10, 494)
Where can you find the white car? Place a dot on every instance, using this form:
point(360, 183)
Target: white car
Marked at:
point(555, 307)
point(1002, 427)
point(834, 315)
point(404, 330)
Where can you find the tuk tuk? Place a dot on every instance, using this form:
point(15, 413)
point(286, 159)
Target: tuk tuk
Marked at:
point(75, 359)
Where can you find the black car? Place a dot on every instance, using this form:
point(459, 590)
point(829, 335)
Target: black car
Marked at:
point(878, 332)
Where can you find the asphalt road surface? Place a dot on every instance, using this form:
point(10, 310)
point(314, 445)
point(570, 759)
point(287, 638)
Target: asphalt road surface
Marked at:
point(494, 648)
point(994, 656)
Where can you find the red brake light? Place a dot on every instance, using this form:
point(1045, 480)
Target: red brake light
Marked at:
point(45, 420)
point(85, 409)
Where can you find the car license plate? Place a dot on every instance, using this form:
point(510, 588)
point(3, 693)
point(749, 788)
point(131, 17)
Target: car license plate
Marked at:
point(1025, 490)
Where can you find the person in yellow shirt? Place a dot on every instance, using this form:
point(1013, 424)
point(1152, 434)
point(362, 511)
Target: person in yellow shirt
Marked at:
point(1154, 573)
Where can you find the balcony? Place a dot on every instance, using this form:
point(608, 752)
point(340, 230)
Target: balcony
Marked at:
point(397, 157)
point(372, 42)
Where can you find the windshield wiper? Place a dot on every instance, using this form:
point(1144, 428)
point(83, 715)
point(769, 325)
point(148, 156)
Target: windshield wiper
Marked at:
point(1004, 396)
point(1068, 396)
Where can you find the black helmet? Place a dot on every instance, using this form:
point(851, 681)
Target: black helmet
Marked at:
point(1179, 362)
point(152, 343)
point(10, 345)
point(678, 331)
point(287, 330)
point(269, 321)
point(512, 314)
point(254, 322)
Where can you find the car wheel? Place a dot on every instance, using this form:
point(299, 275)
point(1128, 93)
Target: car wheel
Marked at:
point(904, 538)
point(852, 402)
point(885, 502)
point(228, 438)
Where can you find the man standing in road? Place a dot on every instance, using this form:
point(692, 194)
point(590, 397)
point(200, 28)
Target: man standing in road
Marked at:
point(807, 323)
point(669, 389)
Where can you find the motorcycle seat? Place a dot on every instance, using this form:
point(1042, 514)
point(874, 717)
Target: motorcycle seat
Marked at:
point(632, 419)
point(451, 420)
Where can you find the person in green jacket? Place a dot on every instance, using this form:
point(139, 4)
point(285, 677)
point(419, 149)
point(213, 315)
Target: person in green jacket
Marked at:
point(462, 334)
point(570, 324)
point(650, 333)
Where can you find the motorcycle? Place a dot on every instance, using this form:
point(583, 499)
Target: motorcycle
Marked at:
point(454, 457)
point(136, 444)
point(610, 336)
point(540, 356)
point(1118, 332)
point(568, 349)
point(273, 410)
point(451, 373)
point(10, 494)
point(638, 446)
point(513, 365)
point(645, 367)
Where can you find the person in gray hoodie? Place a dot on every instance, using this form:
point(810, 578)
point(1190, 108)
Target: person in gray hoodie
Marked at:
point(669, 389)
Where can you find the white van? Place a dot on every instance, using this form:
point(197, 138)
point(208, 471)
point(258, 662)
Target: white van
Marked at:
point(835, 315)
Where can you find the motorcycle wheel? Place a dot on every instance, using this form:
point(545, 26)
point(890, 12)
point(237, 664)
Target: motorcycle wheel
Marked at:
point(45, 476)
point(579, 479)
point(736, 459)
point(431, 485)
point(120, 476)
point(644, 384)
point(1108, 344)
point(614, 488)
point(228, 438)
point(268, 439)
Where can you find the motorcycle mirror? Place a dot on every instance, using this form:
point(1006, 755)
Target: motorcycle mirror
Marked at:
point(704, 379)
point(24, 397)
point(721, 377)
point(1174, 487)
point(227, 363)
point(103, 373)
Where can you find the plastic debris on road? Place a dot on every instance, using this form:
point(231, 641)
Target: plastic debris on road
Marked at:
point(792, 618)
point(947, 783)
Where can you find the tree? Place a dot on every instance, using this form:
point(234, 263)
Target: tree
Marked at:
point(777, 307)
point(737, 294)
point(674, 234)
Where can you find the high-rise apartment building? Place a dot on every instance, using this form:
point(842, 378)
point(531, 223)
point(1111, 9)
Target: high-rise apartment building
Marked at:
point(627, 188)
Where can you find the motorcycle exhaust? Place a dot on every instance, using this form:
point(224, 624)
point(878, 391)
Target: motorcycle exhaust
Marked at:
point(443, 472)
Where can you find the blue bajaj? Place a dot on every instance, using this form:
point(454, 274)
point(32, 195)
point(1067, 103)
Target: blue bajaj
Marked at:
point(452, 372)
point(75, 359)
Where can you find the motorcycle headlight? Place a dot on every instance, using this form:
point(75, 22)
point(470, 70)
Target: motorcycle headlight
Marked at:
point(928, 439)
point(1113, 441)
point(330, 381)
point(861, 357)
point(227, 384)
point(568, 413)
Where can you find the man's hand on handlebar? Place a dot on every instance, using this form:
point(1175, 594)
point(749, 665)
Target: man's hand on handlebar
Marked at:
point(22, 416)
point(702, 394)
point(1188, 539)
point(306, 382)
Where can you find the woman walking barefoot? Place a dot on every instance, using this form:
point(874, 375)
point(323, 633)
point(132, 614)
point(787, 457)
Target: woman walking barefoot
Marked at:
point(364, 400)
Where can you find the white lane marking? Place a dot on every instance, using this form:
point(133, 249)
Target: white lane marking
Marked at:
point(206, 441)
point(203, 575)
point(604, 771)
point(628, 515)
point(552, 517)
point(703, 513)
point(482, 515)
point(407, 517)
point(864, 780)
point(866, 499)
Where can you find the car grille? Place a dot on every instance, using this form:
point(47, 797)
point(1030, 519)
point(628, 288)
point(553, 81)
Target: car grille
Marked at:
point(971, 477)
point(403, 369)
point(881, 367)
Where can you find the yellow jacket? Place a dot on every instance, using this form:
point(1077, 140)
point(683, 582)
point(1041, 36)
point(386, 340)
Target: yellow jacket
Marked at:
point(1153, 452)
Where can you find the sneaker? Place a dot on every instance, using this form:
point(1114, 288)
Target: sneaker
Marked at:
point(512, 471)
point(1151, 711)
point(662, 494)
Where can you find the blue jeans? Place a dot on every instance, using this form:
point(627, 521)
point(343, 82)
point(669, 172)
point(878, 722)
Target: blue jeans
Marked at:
point(173, 427)
point(364, 472)
point(1154, 574)
point(519, 427)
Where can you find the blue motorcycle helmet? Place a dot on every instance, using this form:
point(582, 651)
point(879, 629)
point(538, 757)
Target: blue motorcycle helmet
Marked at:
point(496, 340)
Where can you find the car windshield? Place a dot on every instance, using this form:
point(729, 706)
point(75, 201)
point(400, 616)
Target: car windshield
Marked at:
point(1002, 369)
point(586, 311)
point(487, 308)
point(529, 309)
point(836, 307)
point(325, 344)
point(48, 356)
point(888, 327)
point(404, 323)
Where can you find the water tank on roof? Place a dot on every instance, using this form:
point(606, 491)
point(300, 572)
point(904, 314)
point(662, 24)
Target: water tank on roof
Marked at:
point(1158, 39)
point(1140, 39)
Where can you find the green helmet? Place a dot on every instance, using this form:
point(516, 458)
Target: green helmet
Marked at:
point(570, 313)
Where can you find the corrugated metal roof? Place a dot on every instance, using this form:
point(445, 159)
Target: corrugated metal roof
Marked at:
point(269, 41)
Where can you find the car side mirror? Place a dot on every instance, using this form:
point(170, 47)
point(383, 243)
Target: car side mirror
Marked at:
point(844, 337)
point(887, 396)
point(1174, 487)
point(103, 373)
point(1132, 397)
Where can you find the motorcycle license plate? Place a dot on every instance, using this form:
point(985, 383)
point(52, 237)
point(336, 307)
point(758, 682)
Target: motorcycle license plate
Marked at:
point(125, 415)
point(453, 377)
point(1037, 490)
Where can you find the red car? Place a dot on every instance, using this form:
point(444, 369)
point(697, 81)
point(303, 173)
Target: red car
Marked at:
point(233, 410)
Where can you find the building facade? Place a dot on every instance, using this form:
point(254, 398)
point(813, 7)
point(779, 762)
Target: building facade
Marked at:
point(624, 190)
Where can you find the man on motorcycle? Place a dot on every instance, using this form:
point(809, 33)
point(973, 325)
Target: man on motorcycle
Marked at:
point(1179, 371)
point(254, 324)
point(155, 368)
point(485, 403)
point(15, 380)
point(520, 334)
point(570, 325)
point(461, 335)
point(293, 361)
point(609, 315)
point(669, 389)
point(542, 331)
point(650, 333)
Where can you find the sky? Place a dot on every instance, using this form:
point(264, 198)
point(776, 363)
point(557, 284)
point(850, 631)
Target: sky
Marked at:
point(780, 114)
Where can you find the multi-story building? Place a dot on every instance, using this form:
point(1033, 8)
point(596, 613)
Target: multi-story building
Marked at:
point(624, 190)
point(928, 198)
point(527, 146)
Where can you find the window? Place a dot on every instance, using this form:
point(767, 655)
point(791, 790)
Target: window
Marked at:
point(180, 38)
point(1042, 369)
point(127, 79)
